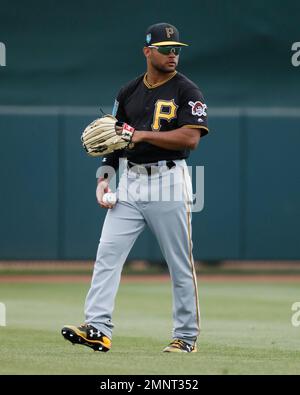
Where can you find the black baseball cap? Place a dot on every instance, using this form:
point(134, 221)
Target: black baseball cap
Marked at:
point(162, 34)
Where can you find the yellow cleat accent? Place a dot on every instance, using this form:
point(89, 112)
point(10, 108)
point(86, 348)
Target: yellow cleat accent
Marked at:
point(179, 345)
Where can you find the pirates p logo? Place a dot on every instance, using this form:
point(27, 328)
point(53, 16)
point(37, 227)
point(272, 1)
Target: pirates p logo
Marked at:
point(169, 31)
point(164, 109)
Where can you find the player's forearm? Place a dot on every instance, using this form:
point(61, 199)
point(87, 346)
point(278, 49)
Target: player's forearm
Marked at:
point(110, 165)
point(178, 139)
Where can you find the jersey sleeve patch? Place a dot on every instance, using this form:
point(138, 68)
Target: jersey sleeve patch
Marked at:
point(192, 108)
point(198, 109)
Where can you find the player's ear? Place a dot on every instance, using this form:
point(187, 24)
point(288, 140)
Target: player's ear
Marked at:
point(146, 51)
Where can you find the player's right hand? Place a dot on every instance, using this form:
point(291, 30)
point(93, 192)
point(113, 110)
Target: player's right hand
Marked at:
point(102, 188)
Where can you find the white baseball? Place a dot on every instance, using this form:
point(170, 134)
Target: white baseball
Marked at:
point(109, 198)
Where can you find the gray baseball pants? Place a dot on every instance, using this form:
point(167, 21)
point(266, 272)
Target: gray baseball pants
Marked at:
point(161, 201)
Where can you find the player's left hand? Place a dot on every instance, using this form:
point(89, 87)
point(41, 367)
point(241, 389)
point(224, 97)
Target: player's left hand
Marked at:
point(125, 131)
point(106, 135)
point(136, 136)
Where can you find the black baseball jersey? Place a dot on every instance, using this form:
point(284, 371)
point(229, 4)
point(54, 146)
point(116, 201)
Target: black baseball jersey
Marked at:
point(162, 107)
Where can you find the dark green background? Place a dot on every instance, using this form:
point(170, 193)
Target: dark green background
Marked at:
point(81, 52)
point(72, 57)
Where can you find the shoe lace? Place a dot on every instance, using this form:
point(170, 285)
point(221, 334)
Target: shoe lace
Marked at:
point(177, 342)
point(84, 325)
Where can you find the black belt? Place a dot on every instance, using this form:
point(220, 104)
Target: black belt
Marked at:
point(170, 164)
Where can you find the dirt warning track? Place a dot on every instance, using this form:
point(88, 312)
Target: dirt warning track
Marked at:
point(67, 278)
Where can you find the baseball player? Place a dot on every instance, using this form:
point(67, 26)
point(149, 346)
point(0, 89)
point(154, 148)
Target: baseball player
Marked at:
point(165, 114)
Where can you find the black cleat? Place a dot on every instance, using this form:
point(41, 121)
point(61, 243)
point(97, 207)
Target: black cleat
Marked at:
point(178, 345)
point(87, 335)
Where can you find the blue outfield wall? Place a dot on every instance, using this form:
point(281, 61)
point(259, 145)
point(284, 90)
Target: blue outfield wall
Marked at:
point(252, 187)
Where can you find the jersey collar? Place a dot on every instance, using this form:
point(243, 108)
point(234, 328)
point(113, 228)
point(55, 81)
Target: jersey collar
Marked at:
point(159, 83)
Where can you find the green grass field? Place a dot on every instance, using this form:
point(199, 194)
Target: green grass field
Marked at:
point(246, 329)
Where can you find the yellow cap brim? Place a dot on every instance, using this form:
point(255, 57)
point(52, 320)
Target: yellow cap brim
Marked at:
point(162, 43)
